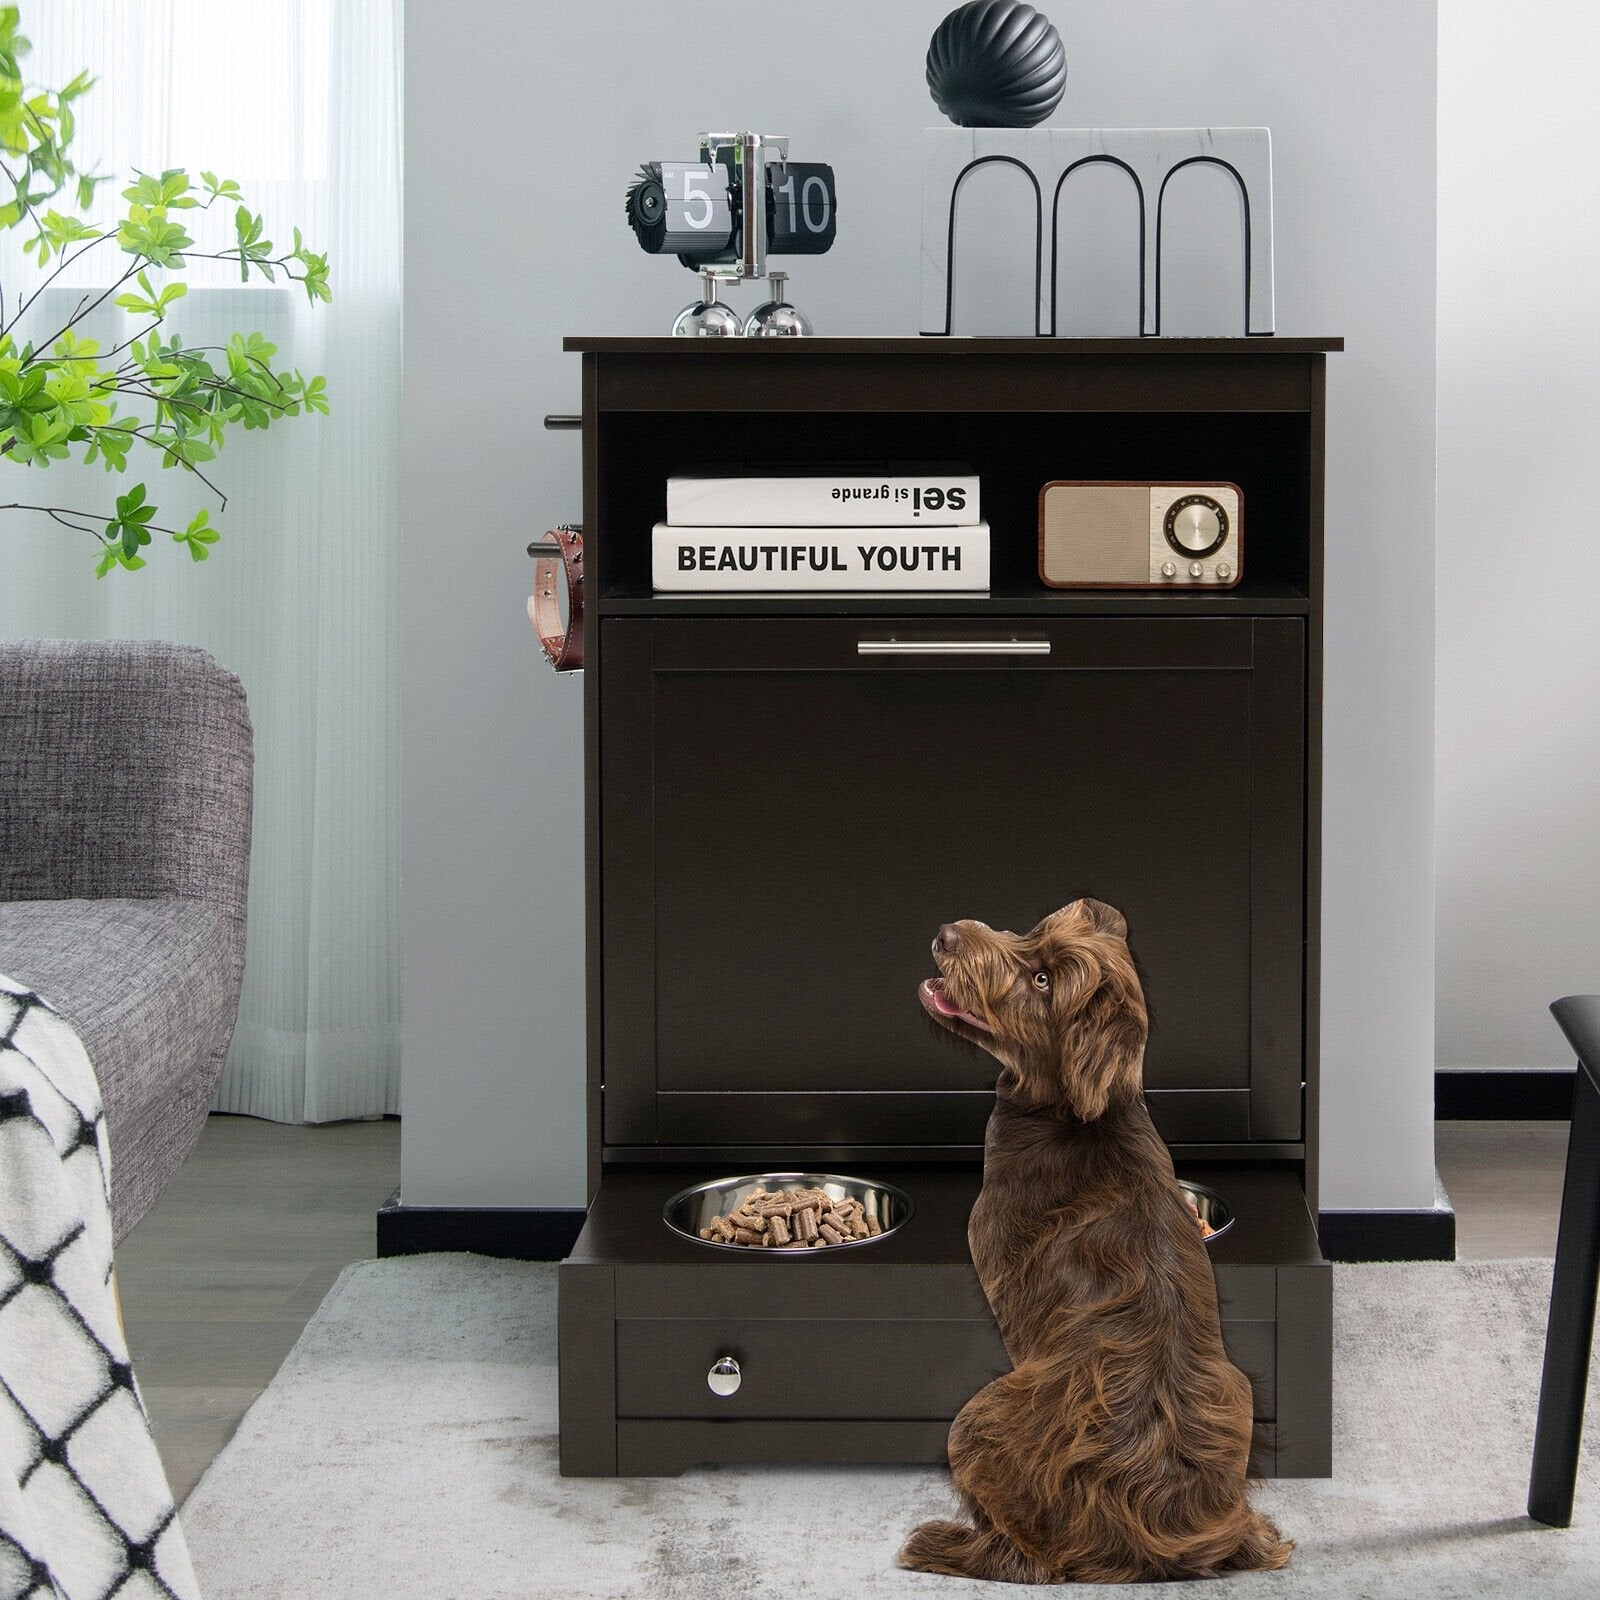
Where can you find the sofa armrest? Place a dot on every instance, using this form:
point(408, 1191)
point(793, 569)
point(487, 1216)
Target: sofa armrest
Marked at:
point(125, 771)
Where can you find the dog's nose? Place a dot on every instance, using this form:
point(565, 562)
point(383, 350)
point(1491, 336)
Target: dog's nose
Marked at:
point(949, 940)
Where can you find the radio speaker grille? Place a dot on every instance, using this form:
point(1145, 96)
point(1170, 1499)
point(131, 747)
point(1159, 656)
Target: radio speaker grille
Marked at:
point(1097, 534)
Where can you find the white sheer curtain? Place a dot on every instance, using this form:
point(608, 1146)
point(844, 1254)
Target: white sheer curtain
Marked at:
point(298, 100)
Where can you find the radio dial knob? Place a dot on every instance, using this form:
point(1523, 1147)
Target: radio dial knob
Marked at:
point(1196, 525)
point(1168, 570)
point(1196, 570)
point(1224, 571)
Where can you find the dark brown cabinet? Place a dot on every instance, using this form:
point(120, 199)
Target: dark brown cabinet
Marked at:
point(787, 796)
point(810, 805)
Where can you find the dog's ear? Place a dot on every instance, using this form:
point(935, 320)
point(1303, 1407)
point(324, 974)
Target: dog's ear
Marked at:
point(1103, 918)
point(1102, 1044)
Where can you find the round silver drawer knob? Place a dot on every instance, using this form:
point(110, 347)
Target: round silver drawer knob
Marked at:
point(724, 1376)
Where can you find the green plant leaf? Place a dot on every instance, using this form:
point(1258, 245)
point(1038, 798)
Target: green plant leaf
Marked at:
point(219, 188)
point(149, 233)
point(198, 535)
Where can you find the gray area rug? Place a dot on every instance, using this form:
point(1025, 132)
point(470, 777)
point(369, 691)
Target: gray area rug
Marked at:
point(407, 1449)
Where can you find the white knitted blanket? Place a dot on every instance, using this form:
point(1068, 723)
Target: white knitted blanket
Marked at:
point(85, 1510)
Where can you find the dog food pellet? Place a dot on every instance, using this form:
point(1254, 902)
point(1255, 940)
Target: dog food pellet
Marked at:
point(792, 1219)
point(1206, 1230)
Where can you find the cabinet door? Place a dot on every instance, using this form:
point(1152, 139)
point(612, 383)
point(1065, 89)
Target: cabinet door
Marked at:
point(790, 807)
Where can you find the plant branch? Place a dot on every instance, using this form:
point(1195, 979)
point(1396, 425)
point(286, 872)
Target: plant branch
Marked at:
point(233, 256)
point(82, 311)
point(178, 402)
point(166, 450)
point(133, 338)
point(23, 196)
point(61, 513)
point(66, 261)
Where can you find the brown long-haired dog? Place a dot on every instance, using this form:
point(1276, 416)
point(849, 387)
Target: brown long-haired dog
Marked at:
point(1116, 1448)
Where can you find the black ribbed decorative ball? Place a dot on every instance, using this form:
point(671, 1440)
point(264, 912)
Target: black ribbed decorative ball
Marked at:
point(996, 64)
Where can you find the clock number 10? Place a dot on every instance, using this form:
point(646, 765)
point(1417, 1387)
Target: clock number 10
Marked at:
point(813, 190)
point(805, 208)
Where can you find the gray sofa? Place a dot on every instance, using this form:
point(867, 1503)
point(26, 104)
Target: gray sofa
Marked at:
point(125, 788)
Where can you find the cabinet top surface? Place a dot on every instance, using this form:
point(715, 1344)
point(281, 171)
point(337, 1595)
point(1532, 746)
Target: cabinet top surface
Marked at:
point(953, 348)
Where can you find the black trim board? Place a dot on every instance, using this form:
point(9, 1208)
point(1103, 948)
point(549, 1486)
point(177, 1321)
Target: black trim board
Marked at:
point(1388, 1235)
point(515, 1233)
point(1503, 1096)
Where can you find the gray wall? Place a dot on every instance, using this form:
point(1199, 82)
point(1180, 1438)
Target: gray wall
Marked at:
point(524, 123)
point(1519, 413)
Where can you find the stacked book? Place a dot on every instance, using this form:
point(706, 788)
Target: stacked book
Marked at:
point(911, 529)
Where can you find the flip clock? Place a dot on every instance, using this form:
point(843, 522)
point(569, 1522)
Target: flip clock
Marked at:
point(723, 215)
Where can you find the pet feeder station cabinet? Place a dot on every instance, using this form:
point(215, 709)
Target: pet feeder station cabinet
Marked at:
point(777, 821)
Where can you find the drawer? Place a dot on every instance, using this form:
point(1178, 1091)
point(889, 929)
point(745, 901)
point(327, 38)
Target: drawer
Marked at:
point(815, 1369)
point(805, 1369)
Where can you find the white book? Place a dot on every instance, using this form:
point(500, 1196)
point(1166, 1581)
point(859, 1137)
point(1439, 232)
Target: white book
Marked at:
point(917, 497)
point(798, 560)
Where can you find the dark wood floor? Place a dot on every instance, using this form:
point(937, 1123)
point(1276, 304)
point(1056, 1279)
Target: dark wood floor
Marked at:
point(1504, 1180)
point(225, 1270)
point(221, 1277)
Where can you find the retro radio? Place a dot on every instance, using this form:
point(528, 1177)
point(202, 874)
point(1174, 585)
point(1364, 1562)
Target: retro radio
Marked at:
point(1140, 535)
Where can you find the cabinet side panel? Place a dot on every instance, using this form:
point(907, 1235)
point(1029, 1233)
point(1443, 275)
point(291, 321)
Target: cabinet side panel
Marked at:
point(1305, 1372)
point(591, 779)
point(627, 887)
point(1277, 872)
point(1315, 489)
point(586, 1335)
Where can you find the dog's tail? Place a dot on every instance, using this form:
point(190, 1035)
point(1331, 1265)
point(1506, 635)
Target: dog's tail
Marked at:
point(962, 1552)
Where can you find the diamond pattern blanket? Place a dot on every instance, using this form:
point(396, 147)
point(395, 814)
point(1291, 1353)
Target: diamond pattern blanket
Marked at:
point(85, 1511)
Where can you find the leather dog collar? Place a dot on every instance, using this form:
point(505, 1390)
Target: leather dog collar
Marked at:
point(563, 647)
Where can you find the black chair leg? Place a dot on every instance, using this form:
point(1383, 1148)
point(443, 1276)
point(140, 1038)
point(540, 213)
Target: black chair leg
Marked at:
point(1570, 1334)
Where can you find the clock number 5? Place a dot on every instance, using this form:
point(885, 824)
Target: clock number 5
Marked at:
point(690, 194)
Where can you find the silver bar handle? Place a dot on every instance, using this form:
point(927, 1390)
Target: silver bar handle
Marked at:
point(953, 647)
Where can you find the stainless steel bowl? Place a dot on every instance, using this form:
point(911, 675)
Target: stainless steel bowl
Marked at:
point(690, 1210)
point(1213, 1208)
